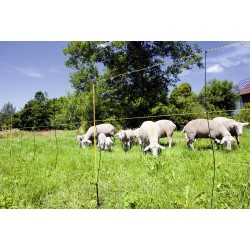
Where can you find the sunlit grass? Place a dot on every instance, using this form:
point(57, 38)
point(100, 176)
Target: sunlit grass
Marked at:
point(50, 170)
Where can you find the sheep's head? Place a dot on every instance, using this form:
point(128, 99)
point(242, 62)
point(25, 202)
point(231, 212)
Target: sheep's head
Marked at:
point(239, 127)
point(154, 147)
point(228, 141)
point(85, 143)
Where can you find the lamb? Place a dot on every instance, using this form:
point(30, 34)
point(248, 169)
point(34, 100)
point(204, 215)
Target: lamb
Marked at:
point(108, 143)
point(198, 128)
point(150, 134)
point(80, 137)
point(127, 138)
point(234, 127)
point(137, 135)
point(105, 128)
point(101, 139)
point(166, 129)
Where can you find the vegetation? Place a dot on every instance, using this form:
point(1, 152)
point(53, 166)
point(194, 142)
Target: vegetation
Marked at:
point(76, 110)
point(50, 170)
point(220, 96)
point(133, 94)
point(42, 165)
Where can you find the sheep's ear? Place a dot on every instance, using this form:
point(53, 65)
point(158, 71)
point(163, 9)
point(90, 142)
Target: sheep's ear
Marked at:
point(89, 141)
point(245, 123)
point(161, 147)
point(147, 148)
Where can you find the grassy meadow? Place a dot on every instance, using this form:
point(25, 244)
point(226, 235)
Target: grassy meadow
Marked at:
point(50, 170)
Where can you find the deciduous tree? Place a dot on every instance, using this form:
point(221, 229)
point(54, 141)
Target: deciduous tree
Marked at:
point(134, 77)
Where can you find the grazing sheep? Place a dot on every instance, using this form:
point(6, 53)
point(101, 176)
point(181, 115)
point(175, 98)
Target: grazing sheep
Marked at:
point(79, 139)
point(166, 129)
point(150, 134)
point(101, 140)
point(105, 128)
point(137, 135)
point(199, 129)
point(127, 138)
point(108, 143)
point(234, 127)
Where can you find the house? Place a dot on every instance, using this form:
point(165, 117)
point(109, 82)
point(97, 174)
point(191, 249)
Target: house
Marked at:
point(244, 87)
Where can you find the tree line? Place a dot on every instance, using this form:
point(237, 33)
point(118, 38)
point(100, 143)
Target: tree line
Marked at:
point(75, 110)
point(132, 79)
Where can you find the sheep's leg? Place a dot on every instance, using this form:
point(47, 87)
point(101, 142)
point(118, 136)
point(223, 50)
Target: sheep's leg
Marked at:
point(237, 140)
point(217, 142)
point(169, 140)
point(190, 144)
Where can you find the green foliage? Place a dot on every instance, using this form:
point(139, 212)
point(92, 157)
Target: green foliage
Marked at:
point(134, 94)
point(220, 95)
point(184, 105)
point(244, 115)
point(36, 113)
point(6, 115)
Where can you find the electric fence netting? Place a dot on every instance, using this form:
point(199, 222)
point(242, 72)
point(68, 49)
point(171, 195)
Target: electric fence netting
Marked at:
point(16, 141)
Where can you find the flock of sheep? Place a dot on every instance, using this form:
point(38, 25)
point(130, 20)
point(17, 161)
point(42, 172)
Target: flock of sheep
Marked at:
point(222, 130)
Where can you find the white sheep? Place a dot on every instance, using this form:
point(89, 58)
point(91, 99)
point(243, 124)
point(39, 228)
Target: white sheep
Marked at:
point(234, 127)
point(199, 128)
point(101, 141)
point(149, 133)
point(108, 143)
point(105, 128)
point(137, 135)
point(79, 139)
point(166, 129)
point(127, 138)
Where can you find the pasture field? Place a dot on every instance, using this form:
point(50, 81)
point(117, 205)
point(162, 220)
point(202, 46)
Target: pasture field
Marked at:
point(50, 170)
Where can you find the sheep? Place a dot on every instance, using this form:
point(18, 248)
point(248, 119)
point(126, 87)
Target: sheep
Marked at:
point(127, 138)
point(149, 134)
point(198, 128)
point(79, 138)
point(234, 127)
point(166, 129)
point(108, 143)
point(137, 135)
point(101, 139)
point(105, 128)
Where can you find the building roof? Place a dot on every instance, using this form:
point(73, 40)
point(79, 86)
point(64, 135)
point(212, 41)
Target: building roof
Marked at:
point(244, 86)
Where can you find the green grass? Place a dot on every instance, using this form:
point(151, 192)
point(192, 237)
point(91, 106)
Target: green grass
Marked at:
point(48, 170)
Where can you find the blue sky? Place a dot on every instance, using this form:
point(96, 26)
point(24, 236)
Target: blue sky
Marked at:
point(28, 67)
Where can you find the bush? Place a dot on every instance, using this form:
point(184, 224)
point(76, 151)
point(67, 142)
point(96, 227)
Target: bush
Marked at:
point(244, 115)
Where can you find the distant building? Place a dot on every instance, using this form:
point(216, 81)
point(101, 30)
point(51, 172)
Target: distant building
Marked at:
point(244, 87)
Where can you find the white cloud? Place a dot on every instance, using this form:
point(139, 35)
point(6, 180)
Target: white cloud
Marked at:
point(215, 69)
point(31, 72)
point(232, 56)
point(55, 70)
point(27, 71)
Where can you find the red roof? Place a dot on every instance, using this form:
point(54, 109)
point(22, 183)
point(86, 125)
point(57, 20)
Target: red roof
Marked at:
point(245, 90)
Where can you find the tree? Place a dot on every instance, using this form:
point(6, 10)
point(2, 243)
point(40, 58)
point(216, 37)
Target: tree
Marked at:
point(184, 105)
point(7, 113)
point(220, 96)
point(36, 113)
point(138, 91)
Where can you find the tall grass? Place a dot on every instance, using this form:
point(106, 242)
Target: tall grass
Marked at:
point(50, 170)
